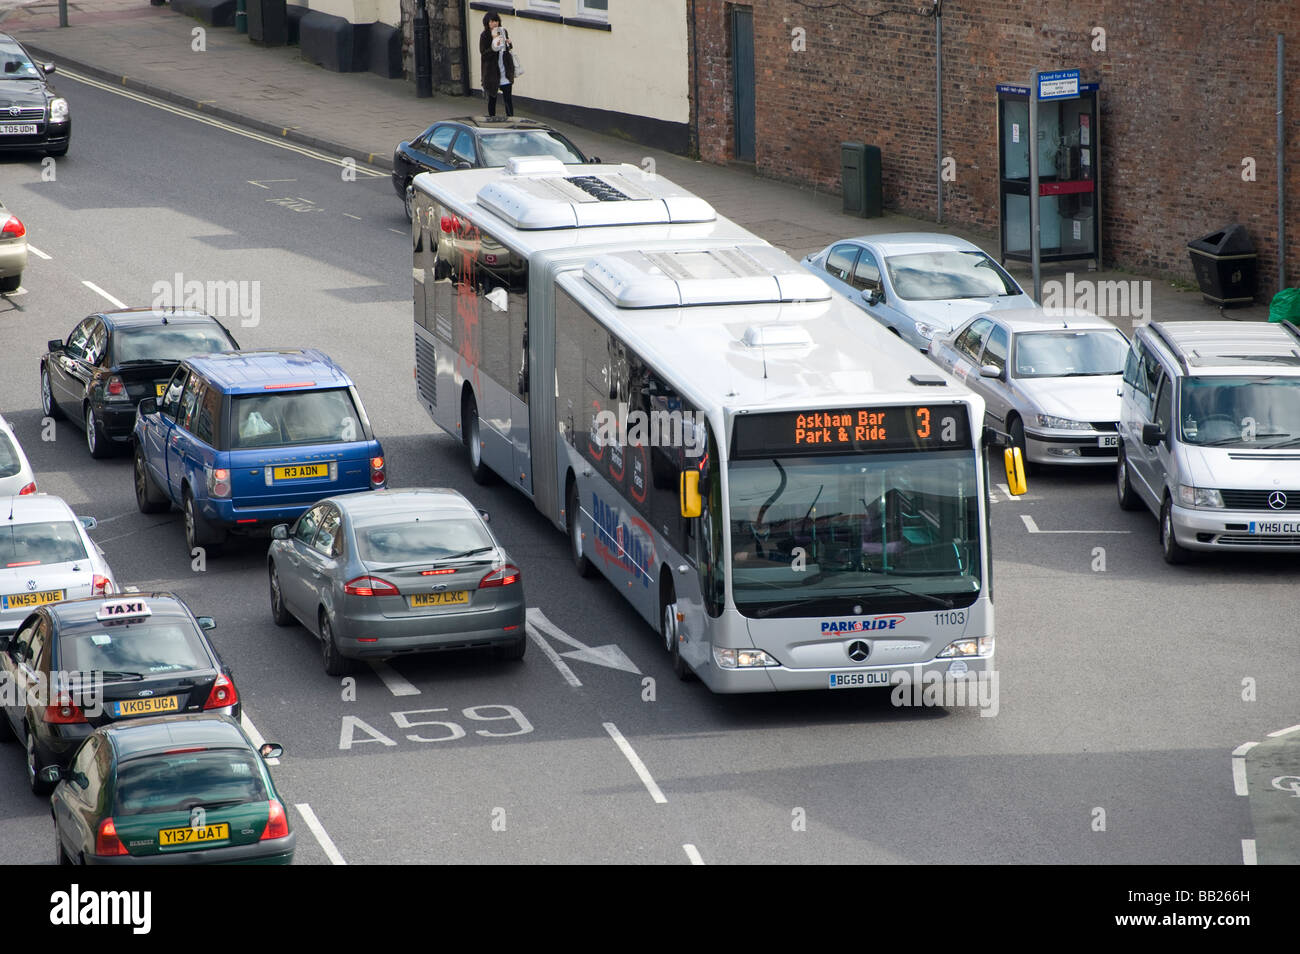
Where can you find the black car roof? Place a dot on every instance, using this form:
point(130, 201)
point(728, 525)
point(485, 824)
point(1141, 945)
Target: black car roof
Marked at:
point(487, 124)
point(71, 613)
point(140, 317)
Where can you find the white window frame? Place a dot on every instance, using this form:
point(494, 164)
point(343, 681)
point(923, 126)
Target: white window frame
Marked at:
point(549, 6)
point(592, 13)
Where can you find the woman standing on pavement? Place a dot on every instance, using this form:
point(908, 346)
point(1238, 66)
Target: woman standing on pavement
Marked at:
point(498, 72)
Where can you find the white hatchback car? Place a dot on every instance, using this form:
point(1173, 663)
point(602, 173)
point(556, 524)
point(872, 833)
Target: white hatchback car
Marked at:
point(13, 250)
point(16, 477)
point(46, 556)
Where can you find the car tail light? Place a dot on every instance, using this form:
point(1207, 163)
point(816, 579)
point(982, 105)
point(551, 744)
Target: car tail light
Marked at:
point(223, 694)
point(29, 489)
point(13, 228)
point(370, 586)
point(219, 482)
point(502, 576)
point(449, 224)
point(106, 840)
point(115, 390)
point(277, 823)
point(63, 711)
point(101, 585)
point(376, 471)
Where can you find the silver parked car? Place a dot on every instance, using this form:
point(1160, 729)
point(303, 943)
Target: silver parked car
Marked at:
point(1050, 380)
point(46, 556)
point(391, 572)
point(16, 475)
point(13, 250)
point(917, 284)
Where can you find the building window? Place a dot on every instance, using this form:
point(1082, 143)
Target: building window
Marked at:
point(596, 9)
point(549, 6)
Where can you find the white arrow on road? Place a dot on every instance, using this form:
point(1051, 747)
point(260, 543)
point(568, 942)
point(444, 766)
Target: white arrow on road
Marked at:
point(609, 656)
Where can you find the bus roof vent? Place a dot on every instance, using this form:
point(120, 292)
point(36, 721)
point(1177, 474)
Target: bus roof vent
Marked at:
point(542, 193)
point(776, 336)
point(755, 274)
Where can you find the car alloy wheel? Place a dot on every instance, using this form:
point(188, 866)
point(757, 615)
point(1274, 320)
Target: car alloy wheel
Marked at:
point(409, 201)
point(336, 664)
point(33, 769)
point(48, 406)
point(279, 614)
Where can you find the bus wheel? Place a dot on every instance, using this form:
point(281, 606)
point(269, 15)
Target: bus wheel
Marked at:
point(474, 442)
point(574, 519)
point(668, 630)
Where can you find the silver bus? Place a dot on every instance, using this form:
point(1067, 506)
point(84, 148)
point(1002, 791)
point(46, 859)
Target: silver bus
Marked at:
point(792, 497)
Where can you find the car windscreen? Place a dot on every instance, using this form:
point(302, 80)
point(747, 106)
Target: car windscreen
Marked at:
point(406, 538)
point(1064, 354)
point(496, 148)
point(936, 276)
point(169, 343)
point(180, 781)
point(38, 544)
point(153, 647)
point(10, 463)
point(1240, 411)
point(280, 418)
point(14, 64)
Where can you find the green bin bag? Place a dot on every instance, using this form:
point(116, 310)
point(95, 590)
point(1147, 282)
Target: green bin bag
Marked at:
point(1285, 305)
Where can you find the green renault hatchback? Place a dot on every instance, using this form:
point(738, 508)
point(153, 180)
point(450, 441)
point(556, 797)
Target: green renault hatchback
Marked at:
point(170, 790)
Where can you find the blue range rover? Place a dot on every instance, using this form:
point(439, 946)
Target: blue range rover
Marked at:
point(243, 440)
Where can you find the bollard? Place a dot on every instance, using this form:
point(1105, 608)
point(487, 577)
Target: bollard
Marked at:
point(63, 13)
point(241, 16)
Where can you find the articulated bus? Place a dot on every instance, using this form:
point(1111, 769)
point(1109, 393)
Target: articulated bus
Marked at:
point(790, 495)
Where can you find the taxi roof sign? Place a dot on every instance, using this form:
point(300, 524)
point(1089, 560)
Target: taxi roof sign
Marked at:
point(123, 609)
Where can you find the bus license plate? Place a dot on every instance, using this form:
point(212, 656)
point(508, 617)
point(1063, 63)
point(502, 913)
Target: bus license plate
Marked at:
point(28, 600)
point(1266, 527)
point(1108, 440)
point(856, 680)
point(139, 707)
point(458, 598)
point(300, 472)
point(170, 837)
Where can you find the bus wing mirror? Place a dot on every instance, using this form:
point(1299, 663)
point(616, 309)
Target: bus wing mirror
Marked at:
point(1015, 471)
point(690, 493)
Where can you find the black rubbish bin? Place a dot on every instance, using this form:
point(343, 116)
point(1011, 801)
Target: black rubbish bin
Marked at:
point(860, 179)
point(1224, 262)
point(268, 22)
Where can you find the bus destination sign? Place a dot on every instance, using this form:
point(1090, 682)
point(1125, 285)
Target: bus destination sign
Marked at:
point(852, 430)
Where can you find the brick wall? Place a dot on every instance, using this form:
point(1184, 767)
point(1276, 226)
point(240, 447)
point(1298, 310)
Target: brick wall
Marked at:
point(444, 29)
point(1187, 92)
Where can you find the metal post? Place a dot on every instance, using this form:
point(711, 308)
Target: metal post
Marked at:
point(423, 58)
point(63, 13)
point(1034, 250)
point(1281, 179)
point(938, 107)
point(241, 16)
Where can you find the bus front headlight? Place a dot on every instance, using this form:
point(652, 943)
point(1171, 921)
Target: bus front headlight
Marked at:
point(971, 646)
point(742, 658)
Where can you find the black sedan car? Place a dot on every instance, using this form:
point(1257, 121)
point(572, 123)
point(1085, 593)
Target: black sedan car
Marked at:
point(114, 360)
point(33, 116)
point(476, 142)
point(77, 665)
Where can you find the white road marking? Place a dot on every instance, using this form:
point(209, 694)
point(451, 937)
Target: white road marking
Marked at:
point(396, 684)
point(99, 291)
point(398, 231)
point(136, 589)
point(228, 127)
point(351, 216)
point(322, 837)
point(553, 656)
point(610, 656)
point(1281, 732)
point(638, 766)
point(258, 182)
point(1006, 491)
point(38, 253)
point(1248, 851)
point(258, 740)
point(1239, 784)
point(1032, 527)
point(694, 854)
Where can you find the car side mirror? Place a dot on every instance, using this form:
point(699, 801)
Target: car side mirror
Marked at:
point(51, 774)
point(4, 644)
point(206, 622)
point(594, 160)
point(90, 523)
point(48, 68)
point(992, 371)
point(54, 344)
point(271, 750)
point(873, 296)
point(280, 531)
point(148, 406)
point(1152, 434)
point(462, 164)
point(484, 515)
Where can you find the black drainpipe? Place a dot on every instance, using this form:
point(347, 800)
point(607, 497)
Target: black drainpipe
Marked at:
point(464, 47)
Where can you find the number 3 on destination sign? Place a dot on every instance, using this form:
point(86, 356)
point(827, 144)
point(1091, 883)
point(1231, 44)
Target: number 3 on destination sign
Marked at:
point(923, 429)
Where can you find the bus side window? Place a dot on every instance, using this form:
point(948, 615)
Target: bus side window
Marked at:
point(711, 563)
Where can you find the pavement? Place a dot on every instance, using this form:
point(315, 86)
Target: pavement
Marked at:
point(155, 51)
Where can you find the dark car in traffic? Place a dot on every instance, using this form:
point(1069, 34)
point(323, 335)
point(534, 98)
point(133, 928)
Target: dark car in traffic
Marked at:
point(77, 665)
point(114, 360)
point(477, 142)
point(181, 791)
point(33, 116)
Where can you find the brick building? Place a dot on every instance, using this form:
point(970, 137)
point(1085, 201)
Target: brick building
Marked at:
point(1187, 106)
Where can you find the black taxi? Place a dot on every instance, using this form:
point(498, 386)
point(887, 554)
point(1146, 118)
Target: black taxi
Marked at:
point(72, 667)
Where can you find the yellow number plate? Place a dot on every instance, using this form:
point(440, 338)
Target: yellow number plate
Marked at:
point(135, 707)
point(458, 598)
point(168, 837)
point(25, 600)
point(300, 471)
point(159, 389)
